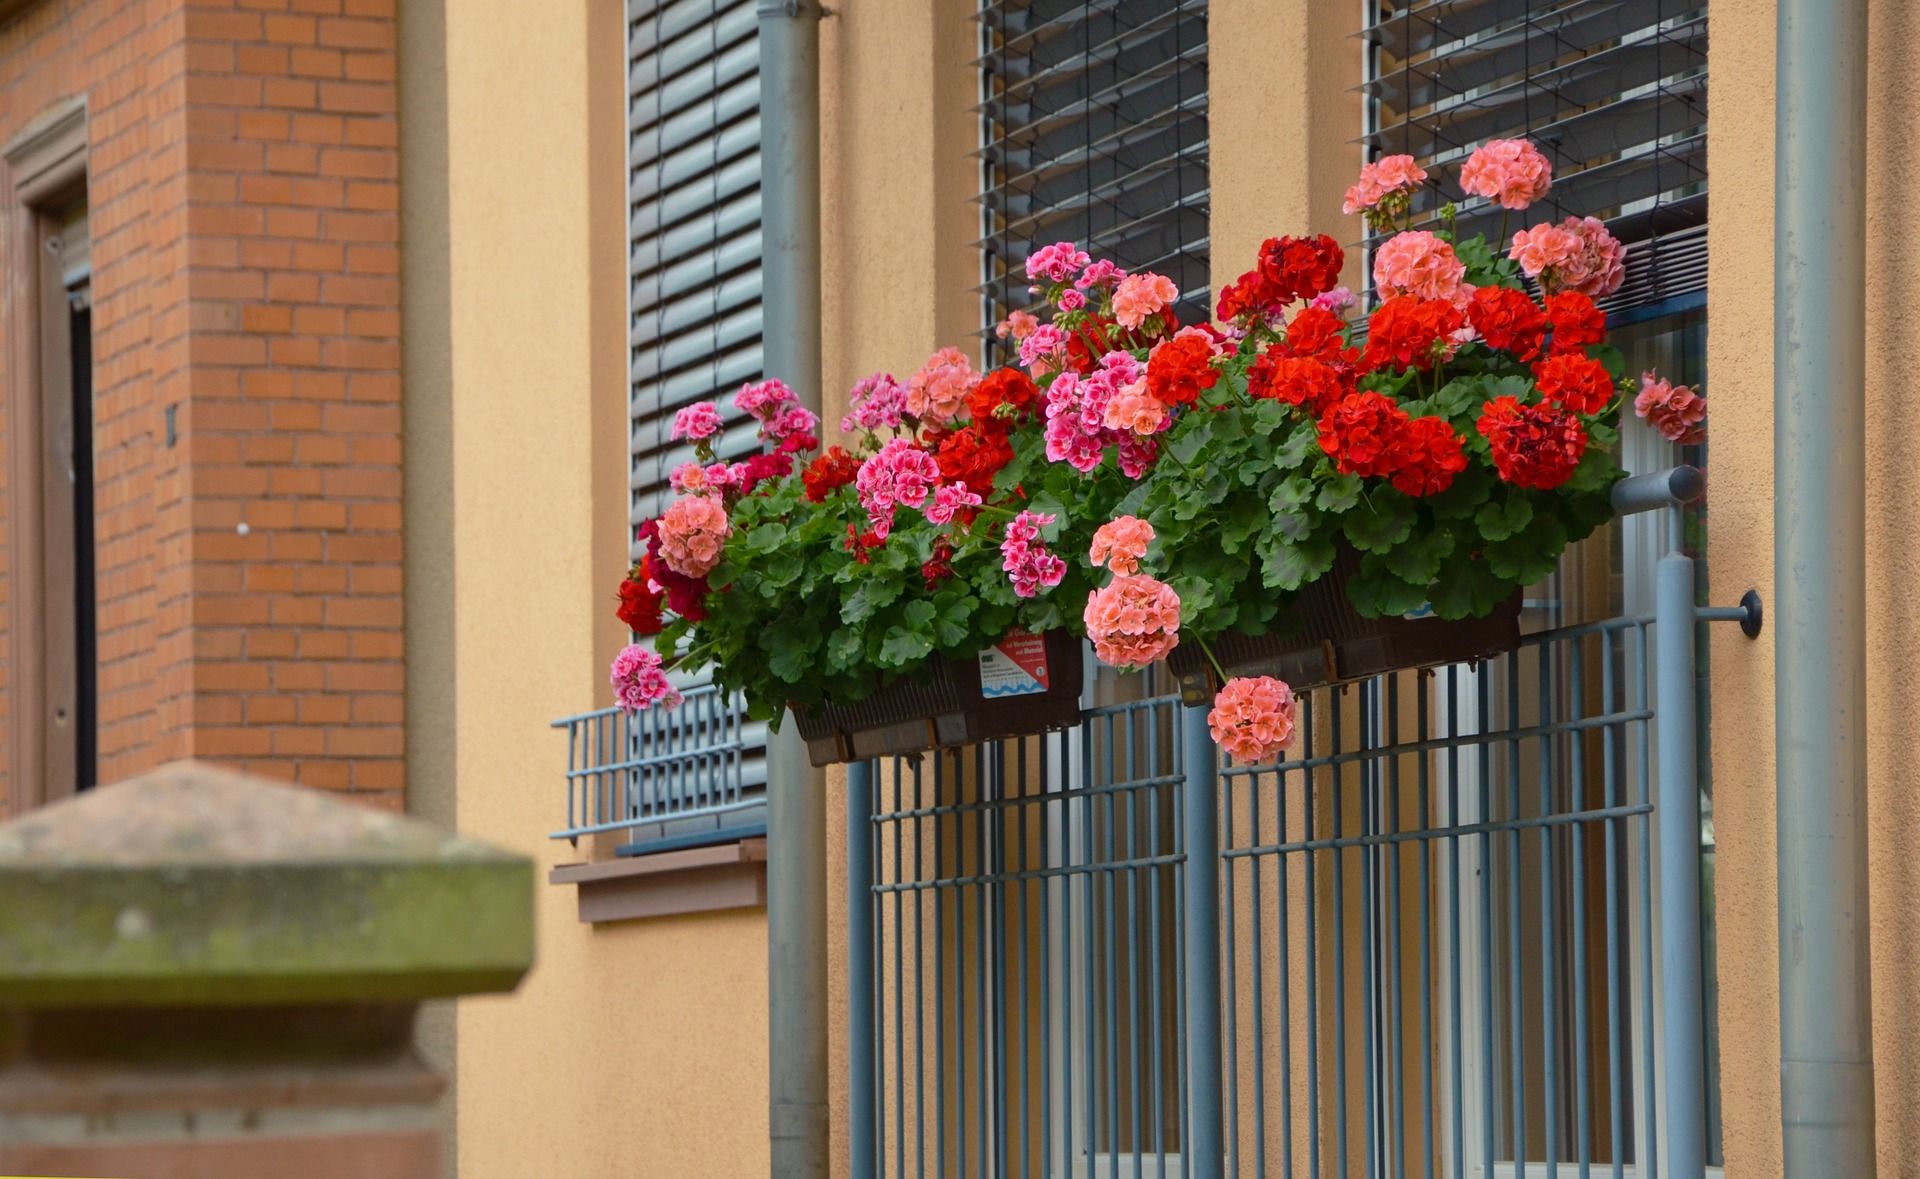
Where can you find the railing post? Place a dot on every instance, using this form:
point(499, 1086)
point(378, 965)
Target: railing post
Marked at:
point(1200, 821)
point(862, 1114)
point(1677, 813)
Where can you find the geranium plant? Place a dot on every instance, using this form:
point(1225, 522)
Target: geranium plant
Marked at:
point(1451, 443)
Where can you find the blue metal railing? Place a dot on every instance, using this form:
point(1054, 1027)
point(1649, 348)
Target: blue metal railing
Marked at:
point(665, 777)
point(1456, 933)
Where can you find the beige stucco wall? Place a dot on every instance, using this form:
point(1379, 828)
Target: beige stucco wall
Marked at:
point(637, 1049)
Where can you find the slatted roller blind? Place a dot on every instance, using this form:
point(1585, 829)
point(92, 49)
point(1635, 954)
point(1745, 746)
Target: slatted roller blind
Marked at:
point(1094, 130)
point(1613, 91)
point(693, 190)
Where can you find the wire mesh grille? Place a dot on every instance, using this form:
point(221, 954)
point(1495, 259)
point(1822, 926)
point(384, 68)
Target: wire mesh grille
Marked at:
point(1614, 91)
point(1027, 947)
point(1094, 130)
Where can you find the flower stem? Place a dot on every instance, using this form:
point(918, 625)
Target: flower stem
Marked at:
point(1207, 650)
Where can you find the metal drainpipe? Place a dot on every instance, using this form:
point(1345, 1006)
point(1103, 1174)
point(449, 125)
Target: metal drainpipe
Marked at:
point(796, 792)
point(1826, 1021)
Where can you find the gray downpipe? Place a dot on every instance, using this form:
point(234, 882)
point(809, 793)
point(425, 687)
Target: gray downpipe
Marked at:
point(796, 792)
point(1826, 1047)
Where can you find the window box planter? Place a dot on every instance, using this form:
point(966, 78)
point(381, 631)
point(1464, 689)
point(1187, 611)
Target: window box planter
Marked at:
point(949, 703)
point(1329, 642)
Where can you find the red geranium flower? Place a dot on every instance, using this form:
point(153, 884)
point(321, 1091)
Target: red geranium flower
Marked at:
point(1410, 332)
point(1426, 457)
point(1300, 267)
point(1243, 298)
point(1535, 446)
point(938, 567)
point(1508, 320)
point(1575, 380)
point(1317, 332)
point(1360, 432)
point(1179, 369)
point(1009, 387)
point(686, 596)
point(860, 543)
point(640, 606)
point(1297, 380)
point(760, 467)
point(973, 456)
point(834, 469)
point(1576, 321)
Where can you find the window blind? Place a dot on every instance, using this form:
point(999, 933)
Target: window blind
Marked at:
point(1613, 91)
point(693, 199)
point(1094, 130)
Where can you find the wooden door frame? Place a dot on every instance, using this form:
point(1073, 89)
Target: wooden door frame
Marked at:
point(41, 168)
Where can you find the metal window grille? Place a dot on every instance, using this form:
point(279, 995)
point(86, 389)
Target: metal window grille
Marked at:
point(697, 773)
point(1614, 93)
point(1094, 130)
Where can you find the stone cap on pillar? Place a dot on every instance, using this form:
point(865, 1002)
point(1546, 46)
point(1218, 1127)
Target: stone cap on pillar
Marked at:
point(194, 885)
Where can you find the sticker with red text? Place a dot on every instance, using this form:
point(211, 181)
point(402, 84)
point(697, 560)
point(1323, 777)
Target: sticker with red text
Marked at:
point(1014, 666)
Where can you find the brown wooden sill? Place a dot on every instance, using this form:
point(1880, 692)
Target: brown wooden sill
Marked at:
point(695, 880)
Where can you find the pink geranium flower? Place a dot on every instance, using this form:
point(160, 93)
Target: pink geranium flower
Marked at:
point(1120, 543)
point(1136, 411)
point(901, 474)
point(1421, 264)
point(1017, 324)
point(697, 421)
point(764, 399)
point(1133, 621)
point(949, 499)
point(638, 680)
point(1252, 718)
point(1386, 177)
point(692, 532)
point(1676, 411)
point(1141, 295)
point(1509, 172)
point(1057, 262)
point(936, 393)
point(878, 402)
point(1025, 558)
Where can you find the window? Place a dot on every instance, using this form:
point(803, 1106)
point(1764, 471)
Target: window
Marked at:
point(54, 725)
point(1614, 94)
point(693, 177)
point(1094, 130)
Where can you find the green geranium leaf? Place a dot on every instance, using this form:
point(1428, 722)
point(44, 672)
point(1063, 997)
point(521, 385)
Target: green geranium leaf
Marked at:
point(1288, 566)
point(1338, 493)
point(1301, 446)
point(1467, 589)
point(1376, 592)
point(765, 538)
point(869, 597)
point(1190, 438)
point(902, 647)
point(1499, 519)
point(1417, 561)
point(1377, 526)
point(791, 650)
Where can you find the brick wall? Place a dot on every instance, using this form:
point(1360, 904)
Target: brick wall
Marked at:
point(243, 184)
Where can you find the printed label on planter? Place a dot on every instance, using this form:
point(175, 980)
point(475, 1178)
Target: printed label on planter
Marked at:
point(1423, 610)
point(1014, 666)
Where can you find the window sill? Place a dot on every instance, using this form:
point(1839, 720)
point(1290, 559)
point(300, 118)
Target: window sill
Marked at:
point(696, 880)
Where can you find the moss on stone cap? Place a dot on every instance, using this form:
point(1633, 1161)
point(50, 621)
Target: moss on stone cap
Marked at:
point(195, 885)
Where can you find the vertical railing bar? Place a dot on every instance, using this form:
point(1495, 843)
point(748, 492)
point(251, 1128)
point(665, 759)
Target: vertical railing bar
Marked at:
point(1516, 1019)
point(1134, 948)
point(1256, 988)
point(1285, 974)
point(1002, 927)
point(1200, 802)
point(1156, 1097)
point(1110, 880)
point(1183, 1105)
point(1422, 686)
point(1022, 787)
point(1307, 726)
point(1230, 942)
point(1550, 1062)
point(1395, 1072)
point(982, 914)
point(1068, 1056)
point(862, 1117)
point(954, 784)
point(1339, 942)
point(1490, 1094)
point(1371, 1012)
point(1648, 1064)
point(1582, 994)
point(1457, 1040)
point(919, 974)
point(1089, 815)
point(900, 983)
point(1613, 648)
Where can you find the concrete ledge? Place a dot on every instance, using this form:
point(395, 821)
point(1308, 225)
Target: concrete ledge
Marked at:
point(696, 880)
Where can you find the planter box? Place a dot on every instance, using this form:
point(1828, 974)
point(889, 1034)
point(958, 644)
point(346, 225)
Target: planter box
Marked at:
point(1328, 642)
point(955, 702)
